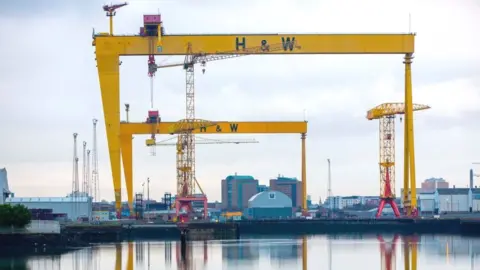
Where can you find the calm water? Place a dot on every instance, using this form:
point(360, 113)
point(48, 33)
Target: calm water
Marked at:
point(313, 252)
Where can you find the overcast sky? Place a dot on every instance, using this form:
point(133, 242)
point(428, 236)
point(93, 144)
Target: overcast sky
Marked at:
point(49, 89)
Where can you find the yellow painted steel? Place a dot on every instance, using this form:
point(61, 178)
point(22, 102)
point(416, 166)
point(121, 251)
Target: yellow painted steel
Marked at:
point(221, 127)
point(304, 173)
point(118, 256)
point(410, 174)
point(392, 108)
point(222, 43)
point(109, 48)
point(127, 160)
point(130, 256)
point(128, 129)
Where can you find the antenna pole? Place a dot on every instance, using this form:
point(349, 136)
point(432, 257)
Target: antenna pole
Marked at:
point(95, 177)
point(330, 205)
point(409, 23)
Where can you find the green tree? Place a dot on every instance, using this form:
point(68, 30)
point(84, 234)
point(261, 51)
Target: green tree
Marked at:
point(18, 215)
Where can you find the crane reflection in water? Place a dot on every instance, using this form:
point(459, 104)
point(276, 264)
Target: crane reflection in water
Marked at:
point(395, 252)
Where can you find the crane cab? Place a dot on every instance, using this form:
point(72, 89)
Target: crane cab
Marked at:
point(152, 27)
point(150, 142)
point(153, 117)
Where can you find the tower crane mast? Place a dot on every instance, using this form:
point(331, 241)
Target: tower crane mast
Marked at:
point(186, 179)
point(386, 114)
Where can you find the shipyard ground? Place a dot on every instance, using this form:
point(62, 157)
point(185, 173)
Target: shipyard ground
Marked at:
point(81, 236)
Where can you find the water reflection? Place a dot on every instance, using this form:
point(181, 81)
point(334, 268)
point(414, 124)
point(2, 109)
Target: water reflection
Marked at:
point(385, 252)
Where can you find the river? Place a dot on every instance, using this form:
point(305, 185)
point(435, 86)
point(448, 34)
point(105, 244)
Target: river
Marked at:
point(389, 252)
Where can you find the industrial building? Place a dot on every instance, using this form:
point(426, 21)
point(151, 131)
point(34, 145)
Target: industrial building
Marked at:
point(475, 199)
point(290, 187)
point(73, 207)
point(269, 205)
point(426, 201)
point(453, 199)
point(4, 190)
point(237, 190)
point(431, 184)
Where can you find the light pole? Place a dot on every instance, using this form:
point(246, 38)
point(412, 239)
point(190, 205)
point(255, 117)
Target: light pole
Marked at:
point(329, 188)
point(148, 196)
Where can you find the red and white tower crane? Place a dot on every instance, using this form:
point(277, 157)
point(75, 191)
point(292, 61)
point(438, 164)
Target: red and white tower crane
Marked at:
point(386, 114)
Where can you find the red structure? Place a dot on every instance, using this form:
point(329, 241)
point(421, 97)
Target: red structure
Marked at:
point(387, 252)
point(387, 197)
point(184, 208)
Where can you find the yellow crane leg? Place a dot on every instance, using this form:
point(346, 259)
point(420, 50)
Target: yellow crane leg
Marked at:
point(305, 253)
point(108, 73)
point(406, 170)
point(130, 256)
point(118, 257)
point(406, 255)
point(127, 159)
point(411, 142)
point(304, 174)
point(409, 130)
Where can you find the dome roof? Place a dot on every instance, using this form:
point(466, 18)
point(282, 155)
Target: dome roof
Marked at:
point(269, 199)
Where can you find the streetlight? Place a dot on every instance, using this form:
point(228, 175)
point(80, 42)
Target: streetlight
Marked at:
point(329, 188)
point(148, 197)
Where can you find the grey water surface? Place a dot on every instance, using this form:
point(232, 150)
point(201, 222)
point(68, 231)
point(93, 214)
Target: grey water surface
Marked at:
point(337, 252)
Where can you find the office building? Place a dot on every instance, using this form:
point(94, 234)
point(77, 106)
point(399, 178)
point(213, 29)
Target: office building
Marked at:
point(431, 184)
point(290, 187)
point(237, 190)
point(262, 188)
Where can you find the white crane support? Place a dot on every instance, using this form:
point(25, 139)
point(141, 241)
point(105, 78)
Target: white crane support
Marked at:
point(200, 140)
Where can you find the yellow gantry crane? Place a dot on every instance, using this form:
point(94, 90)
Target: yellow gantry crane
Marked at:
point(109, 47)
point(386, 113)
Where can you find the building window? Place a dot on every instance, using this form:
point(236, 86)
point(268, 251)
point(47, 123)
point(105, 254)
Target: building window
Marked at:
point(271, 195)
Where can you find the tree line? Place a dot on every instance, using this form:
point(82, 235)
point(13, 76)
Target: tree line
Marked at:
point(14, 215)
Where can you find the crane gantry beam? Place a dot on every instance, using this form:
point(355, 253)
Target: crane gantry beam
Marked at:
point(386, 113)
point(108, 49)
point(128, 129)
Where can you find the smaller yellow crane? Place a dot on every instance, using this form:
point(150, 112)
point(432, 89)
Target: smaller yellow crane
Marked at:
point(386, 113)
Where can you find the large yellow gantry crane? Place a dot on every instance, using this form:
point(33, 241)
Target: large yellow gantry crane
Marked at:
point(386, 113)
point(109, 48)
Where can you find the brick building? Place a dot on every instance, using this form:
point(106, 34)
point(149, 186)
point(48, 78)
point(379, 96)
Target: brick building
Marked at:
point(237, 190)
point(431, 184)
point(289, 186)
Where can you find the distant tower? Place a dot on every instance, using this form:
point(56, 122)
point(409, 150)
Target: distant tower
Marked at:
point(471, 178)
point(75, 184)
point(84, 169)
point(87, 176)
point(95, 177)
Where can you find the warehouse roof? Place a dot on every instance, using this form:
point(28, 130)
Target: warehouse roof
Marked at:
point(453, 191)
point(239, 177)
point(476, 190)
point(46, 199)
point(269, 199)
